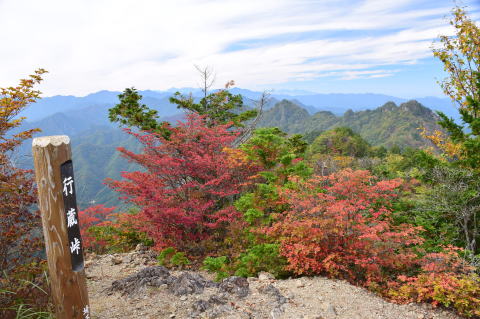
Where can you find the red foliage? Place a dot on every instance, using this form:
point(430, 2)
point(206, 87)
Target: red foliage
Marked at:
point(94, 215)
point(20, 235)
point(188, 184)
point(340, 225)
point(18, 223)
point(445, 279)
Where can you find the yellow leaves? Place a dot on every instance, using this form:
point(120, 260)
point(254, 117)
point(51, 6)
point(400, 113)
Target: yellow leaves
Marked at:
point(16, 122)
point(440, 140)
point(12, 101)
point(460, 55)
point(343, 161)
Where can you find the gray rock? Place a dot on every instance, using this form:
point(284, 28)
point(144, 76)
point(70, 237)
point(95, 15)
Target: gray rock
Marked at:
point(272, 291)
point(276, 313)
point(219, 299)
point(201, 306)
point(235, 285)
point(221, 311)
point(149, 276)
point(187, 283)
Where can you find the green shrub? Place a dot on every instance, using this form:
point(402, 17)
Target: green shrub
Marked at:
point(218, 265)
point(170, 257)
point(179, 259)
point(264, 257)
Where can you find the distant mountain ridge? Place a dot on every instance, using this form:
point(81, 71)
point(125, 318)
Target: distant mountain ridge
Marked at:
point(387, 125)
point(159, 100)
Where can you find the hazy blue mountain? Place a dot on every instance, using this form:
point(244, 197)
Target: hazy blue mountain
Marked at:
point(98, 102)
point(51, 105)
point(95, 158)
point(312, 102)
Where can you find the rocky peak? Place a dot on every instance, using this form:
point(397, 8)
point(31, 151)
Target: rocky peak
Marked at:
point(416, 108)
point(387, 107)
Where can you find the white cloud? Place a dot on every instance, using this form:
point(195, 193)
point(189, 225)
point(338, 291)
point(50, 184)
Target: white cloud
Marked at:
point(91, 45)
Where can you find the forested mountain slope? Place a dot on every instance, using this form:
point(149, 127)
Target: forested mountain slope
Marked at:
point(387, 125)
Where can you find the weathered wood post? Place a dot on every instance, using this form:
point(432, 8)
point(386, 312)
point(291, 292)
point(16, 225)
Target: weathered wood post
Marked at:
point(57, 202)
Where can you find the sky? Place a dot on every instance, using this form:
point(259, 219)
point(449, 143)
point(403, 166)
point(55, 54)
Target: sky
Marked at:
point(324, 46)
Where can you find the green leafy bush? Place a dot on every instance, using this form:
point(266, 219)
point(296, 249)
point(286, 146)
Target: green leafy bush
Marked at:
point(340, 141)
point(170, 257)
point(264, 257)
point(218, 265)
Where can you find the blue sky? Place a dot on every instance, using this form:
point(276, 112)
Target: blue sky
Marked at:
point(327, 46)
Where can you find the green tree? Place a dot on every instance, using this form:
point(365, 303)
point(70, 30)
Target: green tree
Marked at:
point(281, 157)
point(219, 107)
point(340, 141)
point(466, 136)
point(450, 210)
point(460, 55)
point(455, 194)
point(130, 112)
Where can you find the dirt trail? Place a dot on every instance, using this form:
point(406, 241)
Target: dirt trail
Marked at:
point(159, 293)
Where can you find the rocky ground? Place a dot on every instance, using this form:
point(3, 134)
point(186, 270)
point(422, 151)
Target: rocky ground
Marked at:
point(131, 285)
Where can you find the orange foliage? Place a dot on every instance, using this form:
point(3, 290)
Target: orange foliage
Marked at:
point(445, 280)
point(17, 192)
point(340, 225)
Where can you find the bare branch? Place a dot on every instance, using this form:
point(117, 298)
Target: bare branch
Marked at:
point(207, 77)
point(248, 130)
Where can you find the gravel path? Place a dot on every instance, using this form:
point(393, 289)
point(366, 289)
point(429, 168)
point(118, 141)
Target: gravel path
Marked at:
point(159, 293)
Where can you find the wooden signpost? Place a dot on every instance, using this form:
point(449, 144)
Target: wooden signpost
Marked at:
point(57, 202)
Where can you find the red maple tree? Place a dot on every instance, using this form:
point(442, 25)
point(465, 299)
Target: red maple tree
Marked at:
point(188, 184)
